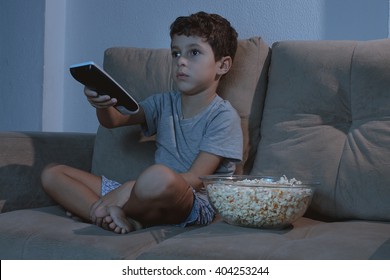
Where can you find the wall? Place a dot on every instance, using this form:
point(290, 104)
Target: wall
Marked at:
point(21, 60)
point(79, 30)
point(356, 19)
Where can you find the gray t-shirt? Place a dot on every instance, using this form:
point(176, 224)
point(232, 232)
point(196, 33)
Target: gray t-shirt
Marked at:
point(215, 130)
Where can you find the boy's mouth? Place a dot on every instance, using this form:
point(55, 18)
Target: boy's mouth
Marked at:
point(181, 75)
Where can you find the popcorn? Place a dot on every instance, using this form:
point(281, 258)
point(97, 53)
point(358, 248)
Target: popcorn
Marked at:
point(260, 202)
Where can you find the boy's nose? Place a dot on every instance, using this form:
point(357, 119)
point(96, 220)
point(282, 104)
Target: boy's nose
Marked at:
point(181, 61)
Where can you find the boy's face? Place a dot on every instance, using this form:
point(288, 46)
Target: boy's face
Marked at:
point(194, 68)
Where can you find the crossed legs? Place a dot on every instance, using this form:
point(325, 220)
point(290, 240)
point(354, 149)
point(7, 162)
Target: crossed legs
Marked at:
point(159, 196)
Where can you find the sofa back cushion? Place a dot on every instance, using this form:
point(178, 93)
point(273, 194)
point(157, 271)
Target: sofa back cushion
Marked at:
point(327, 118)
point(122, 153)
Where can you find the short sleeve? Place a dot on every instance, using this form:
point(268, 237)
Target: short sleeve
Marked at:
point(223, 135)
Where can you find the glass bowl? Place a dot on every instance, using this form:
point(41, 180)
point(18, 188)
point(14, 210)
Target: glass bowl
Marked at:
point(259, 201)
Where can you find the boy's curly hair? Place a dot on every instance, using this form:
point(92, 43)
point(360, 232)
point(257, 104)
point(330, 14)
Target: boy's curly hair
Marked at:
point(216, 30)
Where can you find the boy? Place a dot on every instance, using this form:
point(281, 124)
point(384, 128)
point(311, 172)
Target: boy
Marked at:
point(197, 134)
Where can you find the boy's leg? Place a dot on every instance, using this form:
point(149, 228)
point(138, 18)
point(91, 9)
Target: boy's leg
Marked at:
point(77, 191)
point(74, 189)
point(159, 196)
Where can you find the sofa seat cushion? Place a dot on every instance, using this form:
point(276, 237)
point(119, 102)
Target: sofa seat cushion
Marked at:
point(47, 233)
point(307, 239)
point(327, 118)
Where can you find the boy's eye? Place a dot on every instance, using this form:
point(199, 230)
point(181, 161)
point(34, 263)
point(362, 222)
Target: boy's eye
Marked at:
point(175, 54)
point(195, 52)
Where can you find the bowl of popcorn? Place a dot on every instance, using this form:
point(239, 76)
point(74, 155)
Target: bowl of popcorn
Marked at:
point(259, 201)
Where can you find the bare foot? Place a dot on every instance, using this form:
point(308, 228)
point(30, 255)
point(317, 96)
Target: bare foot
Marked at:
point(118, 222)
point(117, 198)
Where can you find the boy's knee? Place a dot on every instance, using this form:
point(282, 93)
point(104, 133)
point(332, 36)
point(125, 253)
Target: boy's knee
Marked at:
point(156, 181)
point(49, 172)
point(163, 173)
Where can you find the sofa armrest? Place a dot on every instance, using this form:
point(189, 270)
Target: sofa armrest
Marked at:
point(23, 155)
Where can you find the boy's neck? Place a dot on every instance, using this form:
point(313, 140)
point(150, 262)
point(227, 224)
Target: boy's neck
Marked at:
point(191, 105)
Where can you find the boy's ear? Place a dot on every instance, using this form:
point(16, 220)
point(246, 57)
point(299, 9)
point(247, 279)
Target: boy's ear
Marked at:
point(224, 65)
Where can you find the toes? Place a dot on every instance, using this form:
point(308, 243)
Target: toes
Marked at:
point(116, 221)
point(112, 226)
point(108, 219)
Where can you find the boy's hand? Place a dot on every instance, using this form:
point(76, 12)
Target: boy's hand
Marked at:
point(99, 101)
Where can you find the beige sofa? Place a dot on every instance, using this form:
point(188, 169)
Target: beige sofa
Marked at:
point(313, 110)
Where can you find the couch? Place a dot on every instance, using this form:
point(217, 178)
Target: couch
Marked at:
point(313, 110)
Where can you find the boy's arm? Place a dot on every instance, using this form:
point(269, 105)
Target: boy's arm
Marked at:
point(205, 164)
point(111, 118)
